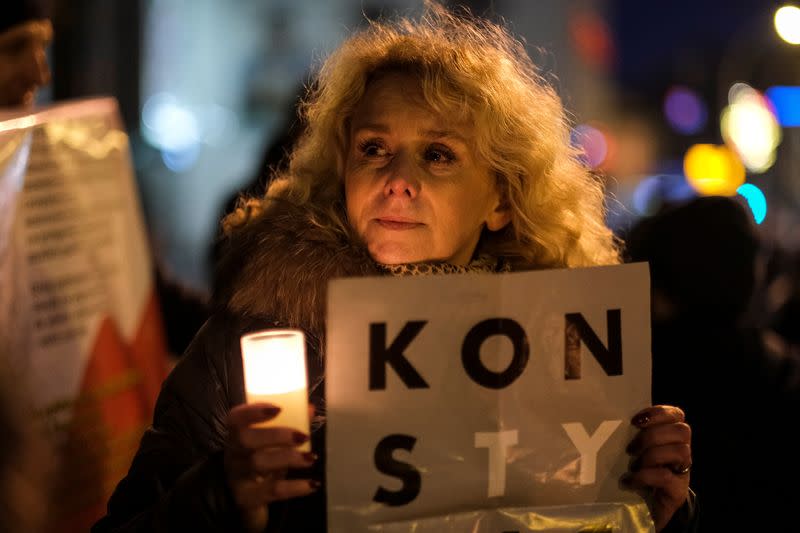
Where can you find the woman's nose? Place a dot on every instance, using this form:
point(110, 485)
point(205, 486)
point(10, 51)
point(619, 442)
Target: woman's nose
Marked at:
point(401, 180)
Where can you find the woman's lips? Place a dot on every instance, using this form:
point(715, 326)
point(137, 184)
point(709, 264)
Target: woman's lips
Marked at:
point(397, 223)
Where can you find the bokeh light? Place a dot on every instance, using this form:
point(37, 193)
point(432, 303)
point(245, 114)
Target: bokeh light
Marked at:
point(168, 125)
point(181, 160)
point(749, 126)
point(647, 195)
point(713, 170)
point(786, 102)
point(655, 190)
point(591, 38)
point(737, 91)
point(787, 24)
point(685, 111)
point(755, 199)
point(179, 132)
point(593, 142)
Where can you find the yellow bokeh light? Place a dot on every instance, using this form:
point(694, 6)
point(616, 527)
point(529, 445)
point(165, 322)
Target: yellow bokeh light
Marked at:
point(713, 170)
point(787, 24)
point(749, 126)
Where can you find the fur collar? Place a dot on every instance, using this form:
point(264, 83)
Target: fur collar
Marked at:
point(278, 265)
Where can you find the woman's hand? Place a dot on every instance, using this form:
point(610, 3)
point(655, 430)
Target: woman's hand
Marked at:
point(661, 459)
point(257, 459)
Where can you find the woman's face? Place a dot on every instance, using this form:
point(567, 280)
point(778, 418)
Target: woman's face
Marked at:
point(414, 187)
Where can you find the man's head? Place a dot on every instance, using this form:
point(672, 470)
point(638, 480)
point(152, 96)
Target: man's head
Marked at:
point(702, 257)
point(25, 33)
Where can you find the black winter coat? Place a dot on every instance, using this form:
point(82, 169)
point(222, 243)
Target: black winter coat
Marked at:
point(277, 266)
point(177, 481)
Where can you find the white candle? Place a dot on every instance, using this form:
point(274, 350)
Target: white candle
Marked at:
point(275, 372)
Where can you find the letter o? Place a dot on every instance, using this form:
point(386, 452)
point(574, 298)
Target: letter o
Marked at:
point(471, 352)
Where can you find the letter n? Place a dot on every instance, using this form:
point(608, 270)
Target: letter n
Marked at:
point(576, 329)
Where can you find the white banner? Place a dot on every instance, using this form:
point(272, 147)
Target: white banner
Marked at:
point(488, 403)
point(78, 310)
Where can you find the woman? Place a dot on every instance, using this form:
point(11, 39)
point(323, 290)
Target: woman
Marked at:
point(430, 146)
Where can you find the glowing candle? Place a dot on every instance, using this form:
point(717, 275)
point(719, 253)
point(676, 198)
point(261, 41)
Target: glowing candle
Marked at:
point(275, 372)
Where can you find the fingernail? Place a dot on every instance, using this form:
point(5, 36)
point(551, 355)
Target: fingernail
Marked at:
point(299, 438)
point(310, 457)
point(641, 420)
point(271, 411)
point(314, 484)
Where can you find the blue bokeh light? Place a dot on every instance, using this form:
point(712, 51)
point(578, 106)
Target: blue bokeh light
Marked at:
point(654, 191)
point(786, 101)
point(180, 161)
point(755, 199)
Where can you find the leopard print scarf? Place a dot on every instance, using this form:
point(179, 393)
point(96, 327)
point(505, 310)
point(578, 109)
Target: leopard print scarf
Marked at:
point(483, 264)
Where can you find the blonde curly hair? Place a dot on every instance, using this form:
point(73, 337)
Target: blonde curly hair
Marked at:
point(473, 69)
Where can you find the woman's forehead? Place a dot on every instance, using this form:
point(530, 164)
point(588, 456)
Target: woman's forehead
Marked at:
point(399, 97)
point(392, 88)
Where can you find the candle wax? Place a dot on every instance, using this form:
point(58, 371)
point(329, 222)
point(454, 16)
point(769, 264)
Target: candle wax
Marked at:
point(294, 412)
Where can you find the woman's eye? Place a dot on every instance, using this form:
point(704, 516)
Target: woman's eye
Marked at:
point(439, 155)
point(372, 149)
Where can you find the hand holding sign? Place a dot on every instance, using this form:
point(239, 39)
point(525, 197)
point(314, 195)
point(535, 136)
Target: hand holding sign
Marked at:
point(662, 460)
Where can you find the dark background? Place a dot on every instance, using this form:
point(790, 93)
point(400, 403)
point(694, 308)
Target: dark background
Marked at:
point(264, 50)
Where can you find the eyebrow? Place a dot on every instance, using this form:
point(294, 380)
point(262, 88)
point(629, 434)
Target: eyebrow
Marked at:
point(444, 134)
point(372, 126)
point(431, 134)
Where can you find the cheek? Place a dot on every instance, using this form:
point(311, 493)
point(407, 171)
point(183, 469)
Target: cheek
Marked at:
point(469, 209)
point(355, 198)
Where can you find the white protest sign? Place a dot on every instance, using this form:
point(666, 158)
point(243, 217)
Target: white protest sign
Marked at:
point(485, 402)
point(78, 309)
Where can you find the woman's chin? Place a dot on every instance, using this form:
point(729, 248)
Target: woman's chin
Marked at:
point(395, 254)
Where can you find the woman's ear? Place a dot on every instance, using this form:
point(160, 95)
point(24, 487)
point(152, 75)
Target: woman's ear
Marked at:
point(499, 218)
point(500, 215)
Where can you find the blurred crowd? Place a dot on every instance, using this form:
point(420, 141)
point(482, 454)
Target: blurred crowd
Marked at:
point(724, 347)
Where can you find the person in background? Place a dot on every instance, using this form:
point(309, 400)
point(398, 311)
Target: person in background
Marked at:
point(25, 34)
point(706, 355)
point(430, 146)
